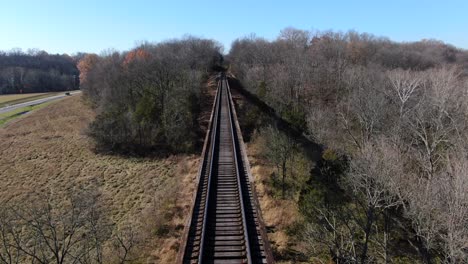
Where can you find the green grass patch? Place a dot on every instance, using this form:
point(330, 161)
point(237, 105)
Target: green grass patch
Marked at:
point(6, 100)
point(11, 115)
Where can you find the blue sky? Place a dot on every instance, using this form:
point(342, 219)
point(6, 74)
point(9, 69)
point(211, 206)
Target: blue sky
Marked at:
point(60, 26)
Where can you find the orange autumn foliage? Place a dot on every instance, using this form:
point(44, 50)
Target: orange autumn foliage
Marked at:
point(85, 65)
point(134, 55)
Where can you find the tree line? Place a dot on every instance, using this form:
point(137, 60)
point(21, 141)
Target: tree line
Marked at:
point(148, 98)
point(36, 71)
point(393, 181)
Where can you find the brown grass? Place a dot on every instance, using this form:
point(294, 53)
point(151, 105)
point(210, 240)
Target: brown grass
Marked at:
point(49, 151)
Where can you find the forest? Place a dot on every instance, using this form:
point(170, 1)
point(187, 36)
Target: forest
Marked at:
point(149, 98)
point(391, 185)
point(36, 71)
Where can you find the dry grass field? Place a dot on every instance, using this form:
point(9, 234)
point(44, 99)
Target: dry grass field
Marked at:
point(48, 151)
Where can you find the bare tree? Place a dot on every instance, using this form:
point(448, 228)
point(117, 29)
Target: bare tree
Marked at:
point(280, 149)
point(334, 232)
point(371, 178)
point(52, 230)
point(126, 240)
point(454, 217)
point(9, 253)
point(363, 112)
point(404, 83)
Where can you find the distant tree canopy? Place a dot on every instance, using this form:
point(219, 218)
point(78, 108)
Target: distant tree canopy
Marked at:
point(36, 71)
point(320, 58)
point(148, 97)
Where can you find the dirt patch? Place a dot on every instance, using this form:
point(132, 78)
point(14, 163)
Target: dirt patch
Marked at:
point(48, 151)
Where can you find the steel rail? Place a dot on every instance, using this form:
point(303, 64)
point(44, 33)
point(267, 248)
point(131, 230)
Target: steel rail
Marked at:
point(236, 165)
point(207, 199)
point(225, 225)
point(185, 239)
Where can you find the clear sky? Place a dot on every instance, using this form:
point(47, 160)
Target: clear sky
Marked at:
point(61, 26)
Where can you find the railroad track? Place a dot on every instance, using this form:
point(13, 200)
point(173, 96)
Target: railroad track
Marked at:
point(225, 226)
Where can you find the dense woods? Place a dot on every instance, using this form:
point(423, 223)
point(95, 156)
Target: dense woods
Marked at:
point(392, 183)
point(36, 71)
point(148, 97)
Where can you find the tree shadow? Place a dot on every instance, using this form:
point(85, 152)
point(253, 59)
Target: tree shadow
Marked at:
point(313, 149)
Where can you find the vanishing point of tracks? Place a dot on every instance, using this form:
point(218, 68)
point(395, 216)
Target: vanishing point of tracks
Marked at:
point(225, 226)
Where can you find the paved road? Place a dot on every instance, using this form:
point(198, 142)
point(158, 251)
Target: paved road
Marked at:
point(35, 102)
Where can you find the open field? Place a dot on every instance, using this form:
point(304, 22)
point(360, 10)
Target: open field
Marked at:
point(48, 151)
point(11, 99)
